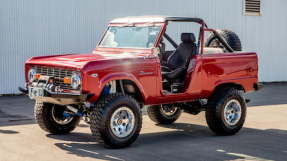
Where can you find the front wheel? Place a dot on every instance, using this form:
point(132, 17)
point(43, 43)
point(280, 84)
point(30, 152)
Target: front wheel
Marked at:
point(226, 111)
point(116, 121)
point(50, 118)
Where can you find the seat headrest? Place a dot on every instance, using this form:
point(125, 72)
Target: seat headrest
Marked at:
point(188, 37)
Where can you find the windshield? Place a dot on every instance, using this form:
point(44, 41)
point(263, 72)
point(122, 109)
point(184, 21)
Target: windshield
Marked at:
point(130, 37)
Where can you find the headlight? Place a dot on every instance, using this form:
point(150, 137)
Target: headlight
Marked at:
point(76, 81)
point(32, 75)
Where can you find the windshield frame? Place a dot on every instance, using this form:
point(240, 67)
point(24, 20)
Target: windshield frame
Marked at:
point(160, 25)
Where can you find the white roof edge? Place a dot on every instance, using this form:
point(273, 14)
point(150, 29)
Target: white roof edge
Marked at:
point(139, 19)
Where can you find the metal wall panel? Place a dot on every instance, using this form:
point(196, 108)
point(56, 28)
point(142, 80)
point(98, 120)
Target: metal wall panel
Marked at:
point(43, 27)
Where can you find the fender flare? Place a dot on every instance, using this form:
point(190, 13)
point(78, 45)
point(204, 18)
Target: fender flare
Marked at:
point(222, 84)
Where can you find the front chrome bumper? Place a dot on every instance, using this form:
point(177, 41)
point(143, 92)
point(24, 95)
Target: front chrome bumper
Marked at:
point(58, 97)
point(63, 99)
point(48, 93)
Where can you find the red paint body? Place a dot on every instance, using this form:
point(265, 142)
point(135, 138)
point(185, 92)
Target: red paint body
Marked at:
point(206, 71)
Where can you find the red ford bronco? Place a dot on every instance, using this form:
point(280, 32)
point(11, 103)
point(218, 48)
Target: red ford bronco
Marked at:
point(136, 63)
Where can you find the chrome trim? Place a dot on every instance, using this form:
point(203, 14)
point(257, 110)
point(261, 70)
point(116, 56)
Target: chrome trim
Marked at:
point(62, 98)
point(62, 93)
point(59, 92)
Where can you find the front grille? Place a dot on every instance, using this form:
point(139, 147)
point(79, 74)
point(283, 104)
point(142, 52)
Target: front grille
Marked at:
point(57, 73)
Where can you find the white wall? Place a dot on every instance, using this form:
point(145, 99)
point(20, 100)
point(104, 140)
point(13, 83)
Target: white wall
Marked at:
point(43, 27)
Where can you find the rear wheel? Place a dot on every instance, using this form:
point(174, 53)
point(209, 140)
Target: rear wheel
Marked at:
point(164, 114)
point(226, 111)
point(116, 121)
point(50, 117)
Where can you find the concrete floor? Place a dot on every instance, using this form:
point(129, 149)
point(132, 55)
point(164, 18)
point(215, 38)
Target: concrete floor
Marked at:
point(264, 136)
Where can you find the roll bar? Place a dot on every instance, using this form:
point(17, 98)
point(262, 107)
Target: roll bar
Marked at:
point(203, 29)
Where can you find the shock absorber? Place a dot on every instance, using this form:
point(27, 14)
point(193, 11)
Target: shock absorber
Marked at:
point(74, 110)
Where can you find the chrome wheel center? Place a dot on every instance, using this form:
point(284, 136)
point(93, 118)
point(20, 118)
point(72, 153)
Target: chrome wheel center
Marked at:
point(57, 115)
point(122, 122)
point(167, 110)
point(232, 112)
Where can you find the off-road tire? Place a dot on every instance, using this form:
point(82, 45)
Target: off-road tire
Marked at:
point(156, 115)
point(230, 37)
point(215, 111)
point(43, 117)
point(100, 120)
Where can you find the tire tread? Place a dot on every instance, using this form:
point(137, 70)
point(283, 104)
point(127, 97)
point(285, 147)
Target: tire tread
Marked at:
point(43, 119)
point(214, 107)
point(156, 116)
point(98, 123)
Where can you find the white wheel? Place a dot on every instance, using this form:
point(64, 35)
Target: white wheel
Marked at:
point(232, 112)
point(122, 122)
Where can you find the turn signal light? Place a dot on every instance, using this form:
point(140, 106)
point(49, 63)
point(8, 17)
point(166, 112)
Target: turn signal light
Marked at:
point(38, 76)
point(67, 80)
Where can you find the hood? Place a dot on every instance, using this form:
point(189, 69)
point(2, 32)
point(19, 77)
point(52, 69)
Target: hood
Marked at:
point(80, 60)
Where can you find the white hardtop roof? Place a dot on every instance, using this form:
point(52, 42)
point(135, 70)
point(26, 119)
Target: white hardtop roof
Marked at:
point(139, 19)
point(154, 19)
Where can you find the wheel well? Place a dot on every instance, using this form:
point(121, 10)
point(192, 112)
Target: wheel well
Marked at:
point(126, 87)
point(224, 86)
point(229, 85)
